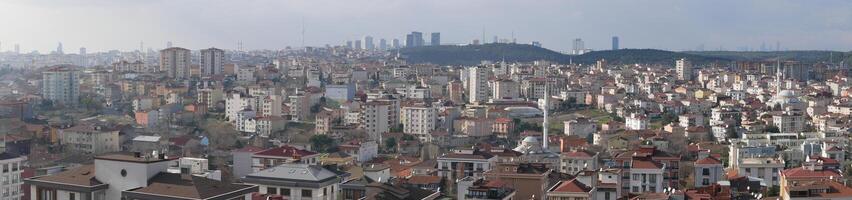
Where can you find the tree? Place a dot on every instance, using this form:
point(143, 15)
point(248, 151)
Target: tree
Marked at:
point(390, 143)
point(771, 129)
point(731, 132)
point(668, 118)
point(396, 129)
point(238, 144)
point(773, 191)
point(322, 143)
point(408, 137)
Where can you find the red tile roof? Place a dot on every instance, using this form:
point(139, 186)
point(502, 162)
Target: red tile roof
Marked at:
point(802, 172)
point(285, 151)
point(571, 186)
point(709, 160)
point(423, 180)
point(646, 164)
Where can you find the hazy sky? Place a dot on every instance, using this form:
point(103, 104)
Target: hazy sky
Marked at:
point(663, 24)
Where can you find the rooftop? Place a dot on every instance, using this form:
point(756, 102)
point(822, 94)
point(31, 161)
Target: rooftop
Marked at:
point(192, 187)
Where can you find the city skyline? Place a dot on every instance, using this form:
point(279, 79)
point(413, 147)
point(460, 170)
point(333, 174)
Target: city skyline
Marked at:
point(670, 25)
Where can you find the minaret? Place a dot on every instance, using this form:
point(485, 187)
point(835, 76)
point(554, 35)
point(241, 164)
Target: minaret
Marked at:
point(778, 76)
point(544, 138)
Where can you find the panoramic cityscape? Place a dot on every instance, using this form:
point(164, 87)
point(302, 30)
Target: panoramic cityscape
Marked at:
point(432, 100)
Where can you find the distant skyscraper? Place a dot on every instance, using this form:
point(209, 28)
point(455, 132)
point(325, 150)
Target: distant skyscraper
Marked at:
point(175, 62)
point(61, 86)
point(414, 39)
point(615, 43)
point(83, 60)
point(409, 40)
point(684, 69)
point(578, 47)
point(59, 49)
point(418, 38)
point(368, 43)
point(169, 44)
point(358, 44)
point(436, 39)
point(212, 61)
point(476, 42)
point(495, 39)
point(395, 43)
point(349, 44)
point(17, 49)
point(383, 44)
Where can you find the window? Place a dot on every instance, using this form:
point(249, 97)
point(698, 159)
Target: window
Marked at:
point(705, 181)
point(285, 192)
point(271, 190)
point(635, 177)
point(652, 179)
point(307, 193)
point(635, 189)
point(71, 196)
point(705, 172)
point(606, 196)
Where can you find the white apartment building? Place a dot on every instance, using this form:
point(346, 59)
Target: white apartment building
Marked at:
point(636, 122)
point(478, 84)
point(419, 120)
point(575, 161)
point(684, 69)
point(763, 168)
point(12, 166)
point(90, 138)
point(61, 85)
point(297, 182)
point(237, 102)
point(473, 162)
point(646, 176)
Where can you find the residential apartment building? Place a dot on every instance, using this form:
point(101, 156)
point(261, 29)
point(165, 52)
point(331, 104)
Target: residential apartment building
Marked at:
point(90, 138)
point(61, 85)
point(419, 120)
point(212, 62)
point(530, 180)
point(573, 162)
point(175, 61)
point(477, 90)
point(463, 163)
point(296, 181)
point(377, 118)
point(132, 176)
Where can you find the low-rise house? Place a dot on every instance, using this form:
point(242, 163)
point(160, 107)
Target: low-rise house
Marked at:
point(471, 188)
point(132, 176)
point(280, 155)
point(528, 179)
point(708, 169)
point(297, 181)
